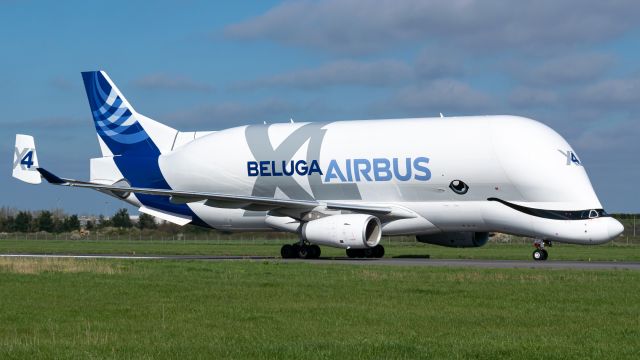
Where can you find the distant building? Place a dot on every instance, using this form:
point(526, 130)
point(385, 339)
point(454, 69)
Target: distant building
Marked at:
point(134, 219)
point(93, 218)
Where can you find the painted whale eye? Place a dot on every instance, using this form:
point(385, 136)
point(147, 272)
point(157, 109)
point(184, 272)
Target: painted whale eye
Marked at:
point(459, 187)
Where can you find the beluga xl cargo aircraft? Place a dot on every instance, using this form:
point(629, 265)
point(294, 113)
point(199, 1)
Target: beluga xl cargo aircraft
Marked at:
point(448, 181)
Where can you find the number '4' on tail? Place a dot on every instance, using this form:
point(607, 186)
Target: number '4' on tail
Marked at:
point(25, 160)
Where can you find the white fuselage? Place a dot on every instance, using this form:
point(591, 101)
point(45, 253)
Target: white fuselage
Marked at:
point(408, 163)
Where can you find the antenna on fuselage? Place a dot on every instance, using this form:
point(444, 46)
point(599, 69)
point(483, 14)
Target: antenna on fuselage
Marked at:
point(291, 119)
point(441, 116)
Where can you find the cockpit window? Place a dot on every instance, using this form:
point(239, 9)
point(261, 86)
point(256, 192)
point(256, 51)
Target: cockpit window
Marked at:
point(555, 214)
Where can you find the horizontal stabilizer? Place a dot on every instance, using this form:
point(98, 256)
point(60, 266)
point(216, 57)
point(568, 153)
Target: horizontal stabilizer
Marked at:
point(51, 178)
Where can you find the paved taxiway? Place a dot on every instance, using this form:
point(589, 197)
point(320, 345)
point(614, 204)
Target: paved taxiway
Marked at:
point(503, 264)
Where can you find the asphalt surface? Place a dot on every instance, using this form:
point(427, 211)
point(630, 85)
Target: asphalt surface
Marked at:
point(502, 264)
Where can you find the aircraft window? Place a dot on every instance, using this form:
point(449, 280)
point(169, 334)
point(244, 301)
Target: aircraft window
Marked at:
point(459, 187)
point(555, 214)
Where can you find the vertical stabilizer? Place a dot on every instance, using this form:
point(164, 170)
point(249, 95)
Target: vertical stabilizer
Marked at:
point(121, 130)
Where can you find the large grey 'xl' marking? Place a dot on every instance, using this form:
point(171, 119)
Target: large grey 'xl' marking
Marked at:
point(19, 156)
point(258, 139)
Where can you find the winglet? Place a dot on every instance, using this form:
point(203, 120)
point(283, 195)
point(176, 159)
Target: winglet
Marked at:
point(51, 178)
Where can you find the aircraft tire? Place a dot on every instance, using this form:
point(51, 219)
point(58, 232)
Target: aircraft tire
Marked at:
point(378, 251)
point(304, 252)
point(286, 251)
point(315, 251)
point(539, 255)
point(545, 253)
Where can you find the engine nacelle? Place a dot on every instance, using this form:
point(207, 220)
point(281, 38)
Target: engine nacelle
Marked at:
point(455, 239)
point(350, 231)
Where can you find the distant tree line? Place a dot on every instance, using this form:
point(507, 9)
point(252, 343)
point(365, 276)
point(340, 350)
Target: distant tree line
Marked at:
point(33, 221)
point(622, 216)
point(56, 221)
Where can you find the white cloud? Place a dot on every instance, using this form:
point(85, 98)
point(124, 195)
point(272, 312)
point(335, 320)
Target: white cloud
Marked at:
point(360, 26)
point(446, 95)
point(525, 97)
point(432, 64)
point(565, 70)
point(229, 114)
point(342, 72)
point(616, 94)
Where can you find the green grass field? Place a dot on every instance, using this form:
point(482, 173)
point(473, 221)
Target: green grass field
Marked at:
point(267, 309)
point(65, 308)
point(261, 247)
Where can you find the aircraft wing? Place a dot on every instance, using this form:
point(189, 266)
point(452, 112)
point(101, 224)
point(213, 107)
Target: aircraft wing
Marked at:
point(230, 201)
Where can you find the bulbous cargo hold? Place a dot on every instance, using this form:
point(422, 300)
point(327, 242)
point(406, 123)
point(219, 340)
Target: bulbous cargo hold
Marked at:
point(402, 160)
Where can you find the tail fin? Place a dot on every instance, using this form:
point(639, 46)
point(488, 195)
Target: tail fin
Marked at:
point(130, 142)
point(25, 160)
point(121, 130)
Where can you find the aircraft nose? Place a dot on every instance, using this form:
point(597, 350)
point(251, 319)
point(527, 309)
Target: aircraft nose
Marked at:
point(614, 227)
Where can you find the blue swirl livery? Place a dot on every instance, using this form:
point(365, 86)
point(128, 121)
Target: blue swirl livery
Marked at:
point(115, 120)
point(133, 141)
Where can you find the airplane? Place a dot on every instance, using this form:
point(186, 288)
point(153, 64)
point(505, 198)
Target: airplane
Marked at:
point(450, 181)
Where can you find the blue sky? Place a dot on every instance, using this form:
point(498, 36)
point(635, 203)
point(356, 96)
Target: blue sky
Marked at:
point(201, 65)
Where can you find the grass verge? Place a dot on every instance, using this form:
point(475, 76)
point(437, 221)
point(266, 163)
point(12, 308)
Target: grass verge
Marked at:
point(269, 309)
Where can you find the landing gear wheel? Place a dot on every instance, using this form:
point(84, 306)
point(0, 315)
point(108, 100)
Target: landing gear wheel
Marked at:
point(304, 252)
point(378, 251)
point(287, 252)
point(545, 253)
point(315, 251)
point(353, 253)
point(540, 254)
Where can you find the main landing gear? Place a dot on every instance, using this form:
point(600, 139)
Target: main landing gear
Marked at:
point(298, 250)
point(540, 253)
point(374, 252)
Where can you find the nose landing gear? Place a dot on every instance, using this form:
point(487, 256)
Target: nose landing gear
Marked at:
point(540, 253)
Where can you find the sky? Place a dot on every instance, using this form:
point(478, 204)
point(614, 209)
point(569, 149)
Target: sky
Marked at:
point(204, 65)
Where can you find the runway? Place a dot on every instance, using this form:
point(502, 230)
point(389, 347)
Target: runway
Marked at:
point(500, 264)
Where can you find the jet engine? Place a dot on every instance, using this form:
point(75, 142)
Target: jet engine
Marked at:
point(350, 231)
point(455, 239)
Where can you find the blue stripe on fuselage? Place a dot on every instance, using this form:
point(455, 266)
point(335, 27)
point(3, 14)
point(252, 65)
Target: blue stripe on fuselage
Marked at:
point(145, 172)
